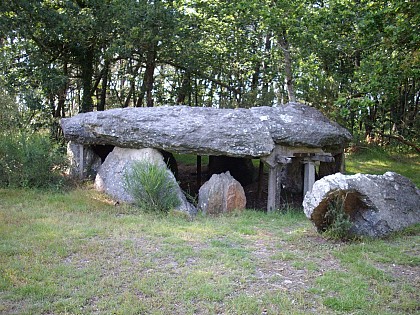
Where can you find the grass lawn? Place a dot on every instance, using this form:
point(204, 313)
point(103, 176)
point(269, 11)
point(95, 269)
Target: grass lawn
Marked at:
point(374, 160)
point(78, 253)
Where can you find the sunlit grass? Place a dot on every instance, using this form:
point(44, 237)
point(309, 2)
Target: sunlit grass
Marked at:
point(78, 253)
point(374, 160)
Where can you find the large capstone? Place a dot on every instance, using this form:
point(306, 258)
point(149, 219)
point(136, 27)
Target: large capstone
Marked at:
point(296, 124)
point(221, 194)
point(179, 129)
point(376, 204)
point(207, 131)
point(110, 177)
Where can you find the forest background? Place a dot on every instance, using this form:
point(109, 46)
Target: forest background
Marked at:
point(358, 61)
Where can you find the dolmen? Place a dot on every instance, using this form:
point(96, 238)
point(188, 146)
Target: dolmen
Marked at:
point(290, 139)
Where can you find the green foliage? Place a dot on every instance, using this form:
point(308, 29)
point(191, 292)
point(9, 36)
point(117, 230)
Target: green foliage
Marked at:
point(151, 187)
point(29, 160)
point(338, 221)
point(10, 116)
point(218, 53)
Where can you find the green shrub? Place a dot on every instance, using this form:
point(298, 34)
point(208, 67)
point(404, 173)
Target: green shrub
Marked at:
point(29, 160)
point(338, 221)
point(151, 187)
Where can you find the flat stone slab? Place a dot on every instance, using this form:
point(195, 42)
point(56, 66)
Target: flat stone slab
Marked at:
point(376, 204)
point(296, 124)
point(207, 131)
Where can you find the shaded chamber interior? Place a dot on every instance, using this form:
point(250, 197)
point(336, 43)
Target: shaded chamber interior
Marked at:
point(102, 150)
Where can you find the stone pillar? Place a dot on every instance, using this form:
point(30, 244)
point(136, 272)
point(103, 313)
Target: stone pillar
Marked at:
point(275, 182)
point(198, 171)
point(83, 161)
point(274, 188)
point(241, 169)
point(309, 176)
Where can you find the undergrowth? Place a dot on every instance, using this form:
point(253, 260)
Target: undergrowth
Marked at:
point(151, 187)
point(337, 220)
point(30, 160)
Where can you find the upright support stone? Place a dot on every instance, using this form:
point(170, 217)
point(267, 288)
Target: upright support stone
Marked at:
point(341, 162)
point(274, 187)
point(277, 165)
point(260, 179)
point(292, 176)
point(309, 176)
point(198, 171)
point(81, 160)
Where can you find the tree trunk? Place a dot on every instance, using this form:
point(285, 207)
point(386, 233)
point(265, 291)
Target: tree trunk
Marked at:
point(149, 75)
point(284, 45)
point(87, 74)
point(101, 105)
point(59, 110)
point(185, 88)
point(265, 88)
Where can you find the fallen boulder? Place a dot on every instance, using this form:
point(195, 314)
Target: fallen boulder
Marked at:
point(110, 177)
point(376, 205)
point(221, 194)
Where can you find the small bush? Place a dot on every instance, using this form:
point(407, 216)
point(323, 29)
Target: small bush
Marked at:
point(338, 221)
point(151, 187)
point(29, 160)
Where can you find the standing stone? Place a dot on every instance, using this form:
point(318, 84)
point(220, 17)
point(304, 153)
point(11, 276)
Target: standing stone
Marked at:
point(329, 168)
point(221, 194)
point(376, 204)
point(110, 177)
point(83, 161)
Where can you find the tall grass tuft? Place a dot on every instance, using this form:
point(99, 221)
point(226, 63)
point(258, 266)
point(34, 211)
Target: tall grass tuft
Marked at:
point(339, 223)
point(29, 160)
point(151, 187)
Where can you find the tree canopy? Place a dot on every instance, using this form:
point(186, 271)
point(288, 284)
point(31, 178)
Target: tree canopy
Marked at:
point(356, 60)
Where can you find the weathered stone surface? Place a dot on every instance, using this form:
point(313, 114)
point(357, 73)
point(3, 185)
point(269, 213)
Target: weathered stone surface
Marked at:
point(181, 129)
point(83, 161)
point(207, 131)
point(110, 177)
point(221, 194)
point(377, 204)
point(296, 124)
